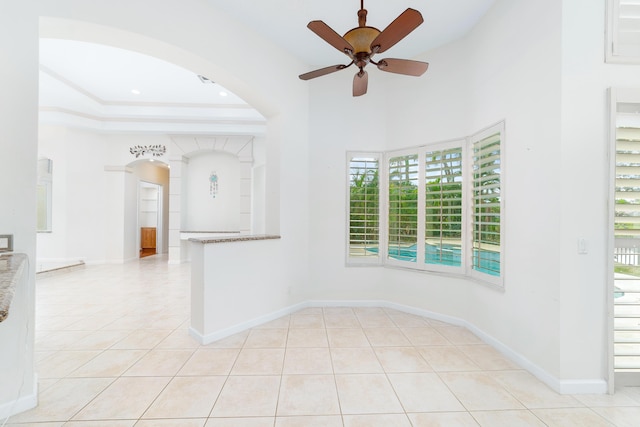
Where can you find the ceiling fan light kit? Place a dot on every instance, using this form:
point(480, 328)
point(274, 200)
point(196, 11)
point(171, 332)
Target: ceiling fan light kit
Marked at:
point(360, 44)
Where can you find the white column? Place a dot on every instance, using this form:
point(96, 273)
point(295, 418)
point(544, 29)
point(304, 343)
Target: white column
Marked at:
point(177, 182)
point(246, 184)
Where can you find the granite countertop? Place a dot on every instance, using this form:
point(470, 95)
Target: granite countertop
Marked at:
point(11, 267)
point(212, 232)
point(236, 238)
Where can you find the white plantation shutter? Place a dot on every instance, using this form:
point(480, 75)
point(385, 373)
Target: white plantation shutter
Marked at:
point(364, 209)
point(487, 205)
point(443, 207)
point(624, 30)
point(403, 208)
point(627, 196)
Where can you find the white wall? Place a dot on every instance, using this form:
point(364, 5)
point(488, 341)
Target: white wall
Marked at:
point(510, 67)
point(219, 288)
point(584, 181)
point(18, 145)
point(204, 211)
point(89, 200)
point(516, 65)
point(187, 34)
point(78, 195)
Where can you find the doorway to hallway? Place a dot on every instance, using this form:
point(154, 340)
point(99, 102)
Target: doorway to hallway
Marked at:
point(150, 218)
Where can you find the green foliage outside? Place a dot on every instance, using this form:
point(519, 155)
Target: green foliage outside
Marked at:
point(632, 270)
point(364, 206)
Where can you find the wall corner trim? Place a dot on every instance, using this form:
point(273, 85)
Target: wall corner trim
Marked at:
point(21, 404)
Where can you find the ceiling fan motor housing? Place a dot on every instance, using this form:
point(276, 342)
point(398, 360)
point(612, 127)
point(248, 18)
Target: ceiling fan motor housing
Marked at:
point(361, 37)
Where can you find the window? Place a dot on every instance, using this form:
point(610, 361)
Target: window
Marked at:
point(623, 31)
point(436, 208)
point(364, 209)
point(403, 208)
point(443, 207)
point(487, 204)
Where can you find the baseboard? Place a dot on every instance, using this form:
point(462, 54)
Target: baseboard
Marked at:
point(583, 386)
point(21, 404)
point(593, 386)
point(224, 333)
point(177, 262)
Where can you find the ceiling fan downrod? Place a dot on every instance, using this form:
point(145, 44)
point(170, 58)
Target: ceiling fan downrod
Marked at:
point(362, 15)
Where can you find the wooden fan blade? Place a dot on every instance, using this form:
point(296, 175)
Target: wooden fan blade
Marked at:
point(327, 34)
point(360, 82)
point(403, 66)
point(397, 30)
point(322, 71)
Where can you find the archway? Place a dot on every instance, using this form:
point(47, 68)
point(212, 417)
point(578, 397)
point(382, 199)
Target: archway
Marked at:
point(253, 92)
point(239, 146)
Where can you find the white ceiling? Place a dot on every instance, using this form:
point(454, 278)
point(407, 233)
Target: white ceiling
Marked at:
point(90, 86)
point(284, 22)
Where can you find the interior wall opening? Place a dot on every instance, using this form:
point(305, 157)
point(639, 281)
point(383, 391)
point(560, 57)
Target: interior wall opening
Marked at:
point(152, 213)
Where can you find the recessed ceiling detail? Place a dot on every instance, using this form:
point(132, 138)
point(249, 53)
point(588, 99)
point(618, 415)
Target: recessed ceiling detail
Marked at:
point(91, 86)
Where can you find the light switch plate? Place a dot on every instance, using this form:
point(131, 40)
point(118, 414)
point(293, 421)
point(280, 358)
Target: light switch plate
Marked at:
point(6, 242)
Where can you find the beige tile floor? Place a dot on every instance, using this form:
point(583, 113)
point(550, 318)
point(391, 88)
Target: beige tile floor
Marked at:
point(112, 349)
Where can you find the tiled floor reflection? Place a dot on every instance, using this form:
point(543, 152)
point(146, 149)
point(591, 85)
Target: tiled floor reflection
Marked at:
point(113, 350)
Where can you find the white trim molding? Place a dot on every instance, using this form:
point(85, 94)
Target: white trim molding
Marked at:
point(21, 404)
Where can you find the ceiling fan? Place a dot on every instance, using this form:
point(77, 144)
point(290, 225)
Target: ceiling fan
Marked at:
point(360, 44)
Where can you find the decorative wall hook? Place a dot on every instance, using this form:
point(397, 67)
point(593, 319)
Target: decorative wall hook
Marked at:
point(213, 184)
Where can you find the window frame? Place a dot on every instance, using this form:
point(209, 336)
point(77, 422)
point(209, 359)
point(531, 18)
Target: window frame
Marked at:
point(448, 145)
point(478, 136)
point(371, 260)
point(465, 269)
point(386, 259)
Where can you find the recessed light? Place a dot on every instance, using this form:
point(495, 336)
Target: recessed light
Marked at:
point(135, 91)
point(223, 93)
